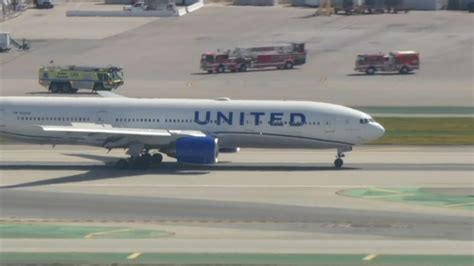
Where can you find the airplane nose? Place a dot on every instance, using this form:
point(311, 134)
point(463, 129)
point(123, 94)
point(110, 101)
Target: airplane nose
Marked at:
point(377, 131)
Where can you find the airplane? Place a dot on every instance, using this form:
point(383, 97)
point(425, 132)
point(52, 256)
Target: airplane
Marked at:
point(192, 131)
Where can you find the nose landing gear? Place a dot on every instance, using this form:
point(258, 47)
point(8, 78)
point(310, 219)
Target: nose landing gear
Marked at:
point(340, 154)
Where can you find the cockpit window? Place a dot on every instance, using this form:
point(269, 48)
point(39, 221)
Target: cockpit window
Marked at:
point(365, 120)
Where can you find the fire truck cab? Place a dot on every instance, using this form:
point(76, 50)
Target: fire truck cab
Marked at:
point(403, 62)
point(220, 62)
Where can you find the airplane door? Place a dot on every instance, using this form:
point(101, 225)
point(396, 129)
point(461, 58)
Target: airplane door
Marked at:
point(249, 123)
point(102, 117)
point(329, 124)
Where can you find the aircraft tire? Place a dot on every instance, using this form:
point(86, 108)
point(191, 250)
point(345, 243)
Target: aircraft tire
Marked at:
point(338, 163)
point(122, 164)
point(157, 158)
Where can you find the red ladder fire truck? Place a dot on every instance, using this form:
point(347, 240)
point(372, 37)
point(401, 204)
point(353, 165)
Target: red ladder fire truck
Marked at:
point(243, 59)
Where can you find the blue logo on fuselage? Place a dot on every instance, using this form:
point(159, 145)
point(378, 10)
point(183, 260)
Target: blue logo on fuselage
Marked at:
point(253, 118)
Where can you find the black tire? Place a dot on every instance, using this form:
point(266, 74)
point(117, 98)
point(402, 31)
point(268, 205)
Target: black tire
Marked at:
point(210, 71)
point(220, 69)
point(289, 65)
point(404, 70)
point(370, 70)
point(338, 163)
point(157, 158)
point(243, 68)
point(66, 88)
point(53, 87)
point(98, 86)
point(122, 164)
point(140, 163)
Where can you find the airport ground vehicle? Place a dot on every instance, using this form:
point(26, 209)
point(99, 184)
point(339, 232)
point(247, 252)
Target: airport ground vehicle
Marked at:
point(42, 4)
point(368, 6)
point(403, 62)
point(138, 6)
point(242, 59)
point(4, 41)
point(69, 79)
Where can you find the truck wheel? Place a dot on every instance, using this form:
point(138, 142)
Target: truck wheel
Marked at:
point(98, 87)
point(53, 87)
point(66, 88)
point(370, 70)
point(404, 70)
point(220, 69)
point(243, 68)
point(289, 65)
point(210, 71)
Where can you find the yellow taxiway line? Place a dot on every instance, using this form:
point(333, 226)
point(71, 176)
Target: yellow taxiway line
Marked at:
point(369, 257)
point(134, 255)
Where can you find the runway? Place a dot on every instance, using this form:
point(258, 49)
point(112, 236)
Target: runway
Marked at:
point(249, 196)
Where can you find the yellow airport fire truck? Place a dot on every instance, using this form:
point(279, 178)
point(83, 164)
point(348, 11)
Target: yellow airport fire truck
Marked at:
point(69, 79)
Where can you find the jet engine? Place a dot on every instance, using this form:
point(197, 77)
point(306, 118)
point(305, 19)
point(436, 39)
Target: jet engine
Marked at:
point(199, 150)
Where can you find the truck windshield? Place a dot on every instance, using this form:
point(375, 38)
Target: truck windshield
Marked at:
point(208, 58)
point(116, 75)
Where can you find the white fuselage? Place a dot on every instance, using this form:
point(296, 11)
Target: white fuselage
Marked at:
point(236, 123)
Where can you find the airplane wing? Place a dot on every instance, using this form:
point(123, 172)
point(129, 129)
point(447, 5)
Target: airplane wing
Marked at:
point(121, 137)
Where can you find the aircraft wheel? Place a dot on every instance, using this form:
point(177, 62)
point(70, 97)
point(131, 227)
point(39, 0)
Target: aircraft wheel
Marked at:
point(338, 163)
point(142, 162)
point(122, 164)
point(157, 158)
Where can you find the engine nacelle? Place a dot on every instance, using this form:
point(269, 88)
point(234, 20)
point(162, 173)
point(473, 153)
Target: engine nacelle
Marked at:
point(201, 150)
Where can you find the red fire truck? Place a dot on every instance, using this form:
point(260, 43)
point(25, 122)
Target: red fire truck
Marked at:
point(403, 62)
point(242, 59)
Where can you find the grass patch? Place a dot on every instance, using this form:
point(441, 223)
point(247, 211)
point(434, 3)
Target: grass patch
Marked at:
point(18, 230)
point(427, 130)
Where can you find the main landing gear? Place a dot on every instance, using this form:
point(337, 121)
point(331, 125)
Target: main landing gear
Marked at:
point(141, 162)
point(340, 154)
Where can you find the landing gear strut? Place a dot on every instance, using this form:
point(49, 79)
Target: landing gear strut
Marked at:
point(141, 162)
point(340, 154)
